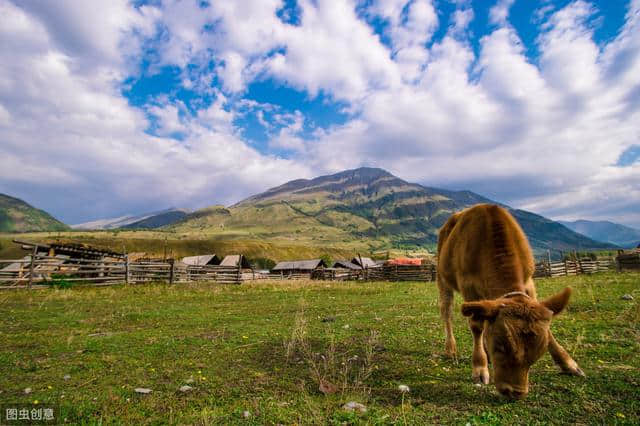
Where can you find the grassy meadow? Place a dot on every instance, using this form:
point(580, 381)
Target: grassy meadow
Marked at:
point(296, 352)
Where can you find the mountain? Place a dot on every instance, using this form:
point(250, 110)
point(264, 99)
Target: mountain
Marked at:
point(18, 216)
point(611, 232)
point(365, 204)
point(145, 221)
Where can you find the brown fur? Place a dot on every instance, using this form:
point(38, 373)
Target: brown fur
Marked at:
point(484, 255)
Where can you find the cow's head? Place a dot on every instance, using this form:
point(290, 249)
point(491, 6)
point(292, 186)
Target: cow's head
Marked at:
point(517, 334)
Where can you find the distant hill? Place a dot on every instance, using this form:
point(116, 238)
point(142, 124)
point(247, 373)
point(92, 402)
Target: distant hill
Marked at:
point(18, 216)
point(145, 221)
point(365, 204)
point(611, 232)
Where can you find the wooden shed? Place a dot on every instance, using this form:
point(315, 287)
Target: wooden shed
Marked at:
point(202, 260)
point(346, 264)
point(235, 260)
point(367, 262)
point(301, 268)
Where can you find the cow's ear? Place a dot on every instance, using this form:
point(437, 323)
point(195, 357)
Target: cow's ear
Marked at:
point(484, 309)
point(558, 302)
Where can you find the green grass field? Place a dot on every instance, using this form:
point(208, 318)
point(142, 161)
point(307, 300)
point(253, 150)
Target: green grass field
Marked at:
point(267, 348)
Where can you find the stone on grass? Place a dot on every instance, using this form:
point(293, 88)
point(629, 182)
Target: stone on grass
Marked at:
point(143, 391)
point(27, 391)
point(185, 388)
point(626, 297)
point(354, 406)
point(246, 414)
point(66, 377)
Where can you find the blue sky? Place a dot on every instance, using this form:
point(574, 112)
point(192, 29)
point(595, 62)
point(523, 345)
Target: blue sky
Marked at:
point(128, 107)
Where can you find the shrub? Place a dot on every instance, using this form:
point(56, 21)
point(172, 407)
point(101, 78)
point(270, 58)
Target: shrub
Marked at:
point(263, 263)
point(59, 281)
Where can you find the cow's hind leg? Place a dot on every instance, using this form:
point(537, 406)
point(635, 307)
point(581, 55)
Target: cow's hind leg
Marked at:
point(446, 313)
point(562, 358)
point(480, 370)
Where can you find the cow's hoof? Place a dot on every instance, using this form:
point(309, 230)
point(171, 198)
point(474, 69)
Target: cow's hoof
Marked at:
point(577, 371)
point(573, 370)
point(481, 376)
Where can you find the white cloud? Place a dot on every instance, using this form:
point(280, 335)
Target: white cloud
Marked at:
point(79, 144)
point(500, 11)
point(538, 134)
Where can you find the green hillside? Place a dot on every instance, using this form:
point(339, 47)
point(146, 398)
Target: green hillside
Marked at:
point(18, 216)
point(365, 205)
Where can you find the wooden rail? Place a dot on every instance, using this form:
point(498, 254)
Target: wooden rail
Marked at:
point(572, 267)
point(628, 261)
point(57, 270)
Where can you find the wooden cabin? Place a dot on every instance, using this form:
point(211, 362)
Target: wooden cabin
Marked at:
point(346, 264)
point(298, 268)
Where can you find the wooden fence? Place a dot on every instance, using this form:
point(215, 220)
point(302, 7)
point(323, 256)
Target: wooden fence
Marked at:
point(401, 273)
point(572, 267)
point(628, 261)
point(380, 273)
point(41, 270)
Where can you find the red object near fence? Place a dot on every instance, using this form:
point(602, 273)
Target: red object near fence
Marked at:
point(405, 261)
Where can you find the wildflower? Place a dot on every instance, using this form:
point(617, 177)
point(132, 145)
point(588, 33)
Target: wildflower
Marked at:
point(245, 337)
point(403, 388)
point(36, 401)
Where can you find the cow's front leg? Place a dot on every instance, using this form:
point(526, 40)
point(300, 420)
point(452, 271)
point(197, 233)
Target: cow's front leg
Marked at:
point(562, 358)
point(480, 370)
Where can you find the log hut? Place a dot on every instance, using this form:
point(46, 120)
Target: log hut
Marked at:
point(367, 262)
point(346, 264)
point(297, 269)
point(236, 260)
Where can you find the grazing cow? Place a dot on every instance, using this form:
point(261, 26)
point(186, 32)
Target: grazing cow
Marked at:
point(484, 255)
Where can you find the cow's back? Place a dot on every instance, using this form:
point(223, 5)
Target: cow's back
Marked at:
point(483, 253)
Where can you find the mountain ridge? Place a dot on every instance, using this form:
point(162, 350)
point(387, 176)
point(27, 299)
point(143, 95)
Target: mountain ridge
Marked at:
point(369, 204)
point(149, 220)
point(17, 215)
point(606, 231)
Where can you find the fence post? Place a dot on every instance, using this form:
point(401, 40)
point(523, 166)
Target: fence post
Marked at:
point(126, 269)
point(239, 277)
point(171, 270)
point(31, 266)
point(566, 268)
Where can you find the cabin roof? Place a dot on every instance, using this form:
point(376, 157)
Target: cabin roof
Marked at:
point(303, 265)
point(203, 259)
point(367, 262)
point(346, 264)
point(234, 260)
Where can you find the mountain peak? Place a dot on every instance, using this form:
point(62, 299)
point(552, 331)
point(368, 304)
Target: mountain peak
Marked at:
point(335, 183)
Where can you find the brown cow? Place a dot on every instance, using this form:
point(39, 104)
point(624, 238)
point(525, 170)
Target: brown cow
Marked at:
point(484, 255)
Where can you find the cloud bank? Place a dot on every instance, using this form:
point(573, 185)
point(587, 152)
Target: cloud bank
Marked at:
point(425, 97)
